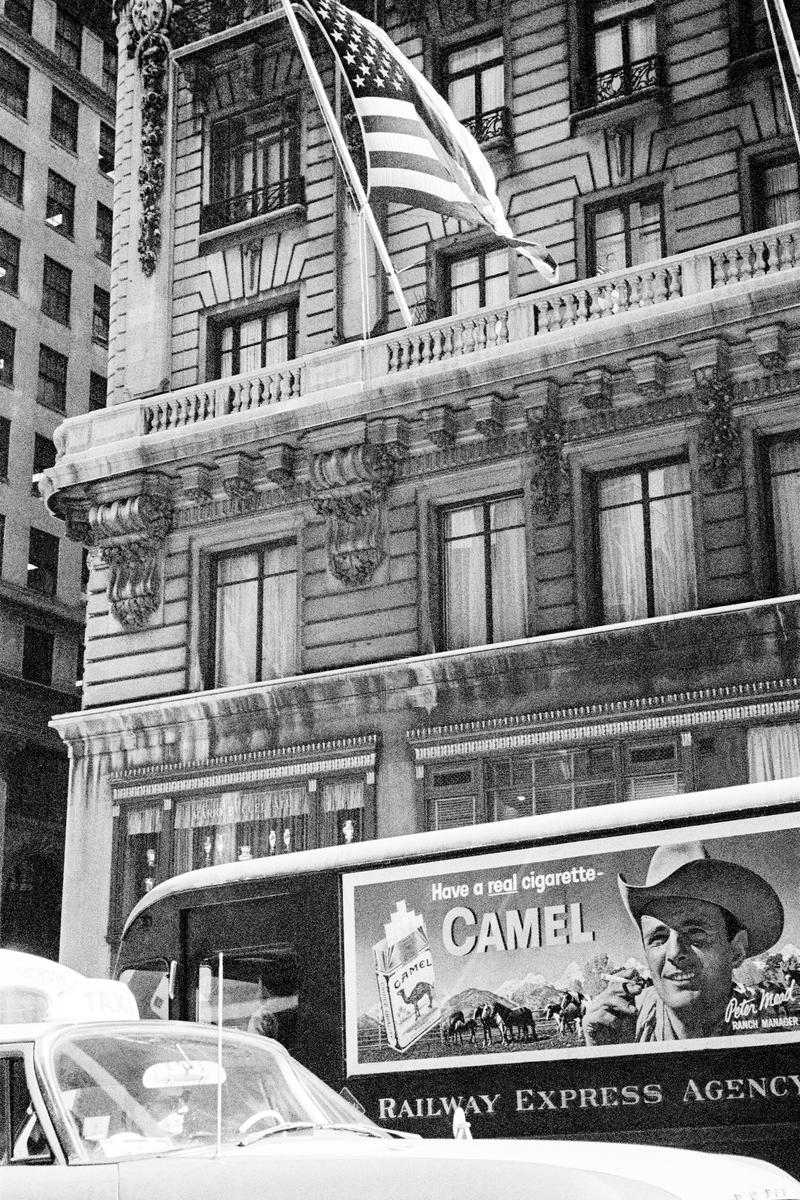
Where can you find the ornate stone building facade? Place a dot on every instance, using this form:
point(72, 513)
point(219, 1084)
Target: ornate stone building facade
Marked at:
point(539, 551)
point(57, 104)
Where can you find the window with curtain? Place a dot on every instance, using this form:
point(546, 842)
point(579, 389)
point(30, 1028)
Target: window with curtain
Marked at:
point(56, 291)
point(67, 44)
point(646, 543)
point(622, 50)
point(342, 803)
point(626, 233)
point(254, 599)
point(773, 752)
point(12, 172)
point(784, 478)
point(776, 189)
point(255, 165)
point(478, 281)
point(255, 341)
point(14, 77)
point(64, 121)
point(475, 87)
point(484, 573)
point(236, 826)
point(141, 833)
point(9, 262)
point(60, 211)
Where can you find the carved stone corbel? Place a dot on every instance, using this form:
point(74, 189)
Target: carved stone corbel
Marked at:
point(237, 475)
point(650, 373)
point(197, 483)
point(720, 440)
point(771, 345)
point(597, 387)
point(128, 537)
point(279, 462)
point(441, 425)
point(349, 488)
point(490, 416)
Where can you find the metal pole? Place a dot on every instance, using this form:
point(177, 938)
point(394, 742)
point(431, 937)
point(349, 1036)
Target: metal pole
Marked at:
point(346, 161)
point(790, 44)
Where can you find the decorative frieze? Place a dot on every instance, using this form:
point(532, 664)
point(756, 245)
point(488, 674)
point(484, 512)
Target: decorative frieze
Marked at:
point(679, 712)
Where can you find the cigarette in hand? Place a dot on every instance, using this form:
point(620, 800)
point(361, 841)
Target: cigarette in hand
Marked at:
point(634, 982)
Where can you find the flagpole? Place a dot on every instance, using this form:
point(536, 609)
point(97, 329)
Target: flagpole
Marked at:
point(346, 161)
point(789, 38)
point(791, 47)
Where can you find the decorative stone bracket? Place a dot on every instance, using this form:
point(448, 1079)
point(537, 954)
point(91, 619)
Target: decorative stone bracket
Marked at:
point(127, 537)
point(349, 488)
point(546, 436)
point(720, 439)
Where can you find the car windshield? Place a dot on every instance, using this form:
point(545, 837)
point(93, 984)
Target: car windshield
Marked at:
point(155, 1089)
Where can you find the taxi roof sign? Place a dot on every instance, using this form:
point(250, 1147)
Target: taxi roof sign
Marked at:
point(37, 989)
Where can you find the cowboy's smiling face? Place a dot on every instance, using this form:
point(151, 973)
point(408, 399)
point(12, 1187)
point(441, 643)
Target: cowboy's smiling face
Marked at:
point(691, 956)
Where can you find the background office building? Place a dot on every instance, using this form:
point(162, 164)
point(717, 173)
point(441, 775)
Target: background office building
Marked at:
point(539, 552)
point(57, 106)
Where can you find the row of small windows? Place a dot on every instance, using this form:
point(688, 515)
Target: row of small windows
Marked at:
point(51, 389)
point(644, 553)
point(64, 112)
point(67, 39)
point(56, 304)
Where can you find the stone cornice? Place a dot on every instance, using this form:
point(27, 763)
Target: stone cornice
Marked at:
point(72, 81)
point(671, 713)
point(303, 761)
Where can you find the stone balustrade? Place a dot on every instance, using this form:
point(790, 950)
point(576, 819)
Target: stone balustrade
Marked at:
point(336, 371)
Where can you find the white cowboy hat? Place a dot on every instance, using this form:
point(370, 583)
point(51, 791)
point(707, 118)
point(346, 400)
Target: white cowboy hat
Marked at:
point(687, 871)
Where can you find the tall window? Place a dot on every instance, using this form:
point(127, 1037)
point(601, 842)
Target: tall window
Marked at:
point(44, 457)
point(101, 316)
point(478, 281)
point(43, 562)
point(52, 388)
point(625, 234)
point(109, 68)
point(484, 575)
point(784, 471)
point(97, 391)
point(60, 204)
point(646, 543)
point(5, 446)
point(475, 87)
point(106, 150)
point(13, 84)
point(21, 13)
point(68, 38)
point(250, 343)
point(9, 262)
point(623, 50)
point(255, 165)
point(56, 291)
point(254, 624)
point(64, 121)
point(12, 171)
point(103, 231)
point(37, 655)
point(776, 187)
point(8, 337)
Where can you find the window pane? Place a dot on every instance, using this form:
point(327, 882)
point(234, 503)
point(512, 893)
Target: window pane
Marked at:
point(461, 97)
point(9, 261)
point(464, 271)
point(13, 84)
point(279, 621)
point(672, 542)
point(464, 583)
point(509, 585)
point(607, 49)
point(642, 37)
point(781, 194)
point(622, 549)
point(236, 634)
point(12, 171)
point(37, 655)
point(276, 349)
point(250, 345)
point(463, 522)
point(784, 461)
point(8, 337)
point(645, 232)
point(609, 240)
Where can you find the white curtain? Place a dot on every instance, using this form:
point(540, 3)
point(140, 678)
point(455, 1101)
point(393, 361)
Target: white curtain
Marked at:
point(773, 752)
point(279, 617)
point(143, 820)
point(237, 619)
point(509, 576)
point(342, 794)
point(672, 545)
point(622, 549)
point(465, 580)
point(784, 457)
point(235, 819)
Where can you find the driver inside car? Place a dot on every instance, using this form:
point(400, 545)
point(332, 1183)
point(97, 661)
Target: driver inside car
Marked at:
point(168, 1108)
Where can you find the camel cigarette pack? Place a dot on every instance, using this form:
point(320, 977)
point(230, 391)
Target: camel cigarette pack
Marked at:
point(406, 983)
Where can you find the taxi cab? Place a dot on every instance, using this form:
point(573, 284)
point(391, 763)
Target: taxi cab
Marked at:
point(117, 1110)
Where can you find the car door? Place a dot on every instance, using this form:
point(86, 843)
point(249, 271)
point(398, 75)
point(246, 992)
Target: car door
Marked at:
point(32, 1160)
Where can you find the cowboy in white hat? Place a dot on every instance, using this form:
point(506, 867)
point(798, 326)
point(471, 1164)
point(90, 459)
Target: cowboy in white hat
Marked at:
point(699, 918)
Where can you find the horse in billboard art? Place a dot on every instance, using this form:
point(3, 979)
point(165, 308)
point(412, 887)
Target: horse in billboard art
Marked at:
point(511, 1020)
point(457, 1026)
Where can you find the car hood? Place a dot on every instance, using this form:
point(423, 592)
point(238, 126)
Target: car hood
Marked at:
point(339, 1166)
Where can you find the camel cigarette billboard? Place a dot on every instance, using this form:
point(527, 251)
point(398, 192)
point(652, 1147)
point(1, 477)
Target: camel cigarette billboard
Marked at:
point(641, 943)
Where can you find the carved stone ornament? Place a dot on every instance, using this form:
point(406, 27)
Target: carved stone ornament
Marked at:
point(546, 436)
point(150, 16)
point(720, 439)
point(128, 537)
point(349, 488)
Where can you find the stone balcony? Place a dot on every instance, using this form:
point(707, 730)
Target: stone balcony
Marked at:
point(651, 332)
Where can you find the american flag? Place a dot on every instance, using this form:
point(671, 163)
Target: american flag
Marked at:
point(417, 150)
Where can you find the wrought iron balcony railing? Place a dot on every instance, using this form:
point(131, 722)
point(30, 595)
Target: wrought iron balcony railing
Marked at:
point(622, 82)
point(258, 202)
point(491, 125)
